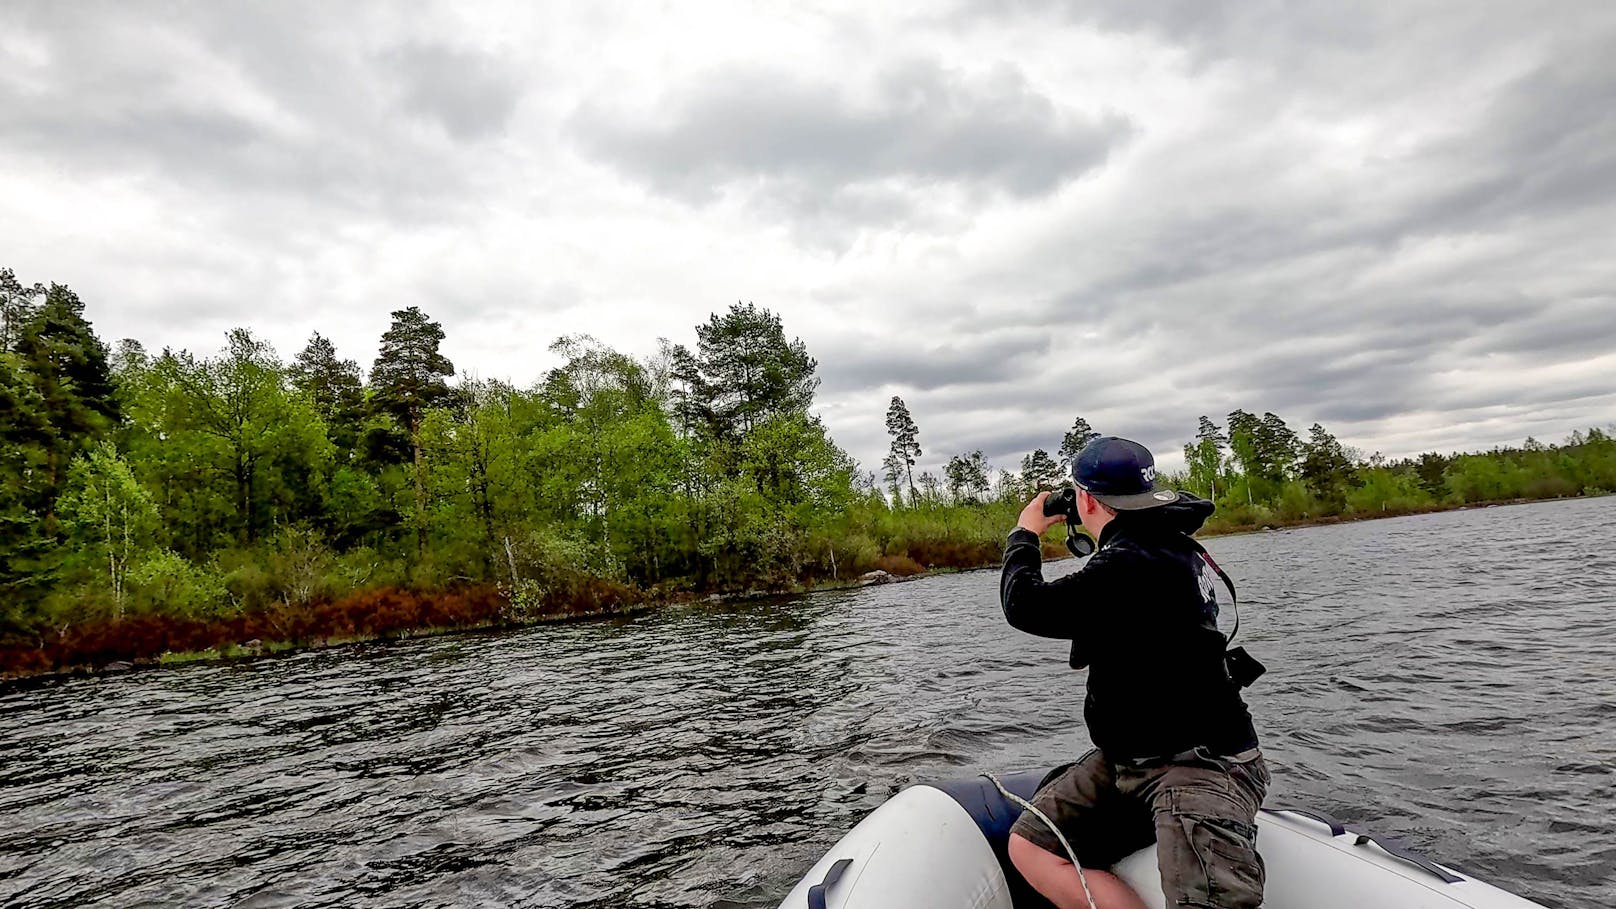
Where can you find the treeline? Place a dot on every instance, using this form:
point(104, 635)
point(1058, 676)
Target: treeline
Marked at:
point(163, 501)
point(201, 488)
point(1261, 472)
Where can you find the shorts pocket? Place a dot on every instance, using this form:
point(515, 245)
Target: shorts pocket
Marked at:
point(1208, 851)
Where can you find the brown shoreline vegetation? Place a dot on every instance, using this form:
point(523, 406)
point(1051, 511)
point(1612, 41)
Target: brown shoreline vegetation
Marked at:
point(393, 614)
point(154, 639)
point(367, 615)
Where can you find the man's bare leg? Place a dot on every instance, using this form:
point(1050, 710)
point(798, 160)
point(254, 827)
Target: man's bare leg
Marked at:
point(1056, 879)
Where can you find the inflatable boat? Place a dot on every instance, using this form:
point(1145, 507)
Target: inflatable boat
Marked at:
point(943, 846)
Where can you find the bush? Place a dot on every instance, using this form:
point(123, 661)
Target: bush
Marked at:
point(302, 566)
point(855, 554)
point(899, 565)
point(165, 583)
point(1240, 515)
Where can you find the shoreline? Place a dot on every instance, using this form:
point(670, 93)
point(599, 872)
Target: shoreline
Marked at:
point(254, 649)
point(1326, 520)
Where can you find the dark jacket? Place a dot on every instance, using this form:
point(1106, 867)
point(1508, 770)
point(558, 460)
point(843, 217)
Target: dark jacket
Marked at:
point(1142, 616)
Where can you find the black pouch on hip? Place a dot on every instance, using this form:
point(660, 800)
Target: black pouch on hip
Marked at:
point(1242, 667)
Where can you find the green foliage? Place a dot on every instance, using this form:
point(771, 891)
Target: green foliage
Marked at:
point(110, 518)
point(406, 381)
point(967, 476)
point(17, 305)
point(66, 365)
point(166, 582)
point(743, 371)
point(1383, 489)
point(407, 377)
point(228, 449)
point(1205, 458)
point(1277, 448)
point(1326, 469)
point(29, 556)
point(1039, 472)
point(238, 487)
point(333, 387)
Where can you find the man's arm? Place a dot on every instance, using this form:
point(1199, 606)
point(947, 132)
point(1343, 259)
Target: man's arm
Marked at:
point(1049, 609)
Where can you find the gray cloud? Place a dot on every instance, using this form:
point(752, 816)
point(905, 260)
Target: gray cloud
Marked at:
point(229, 100)
point(813, 144)
point(927, 360)
point(470, 95)
point(1394, 220)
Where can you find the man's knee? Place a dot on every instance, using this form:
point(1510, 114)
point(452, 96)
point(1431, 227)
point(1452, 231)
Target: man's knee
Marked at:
point(1031, 859)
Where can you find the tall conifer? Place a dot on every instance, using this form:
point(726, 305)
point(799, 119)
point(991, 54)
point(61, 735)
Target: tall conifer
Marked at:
point(905, 440)
point(1080, 435)
point(408, 379)
point(66, 363)
point(333, 386)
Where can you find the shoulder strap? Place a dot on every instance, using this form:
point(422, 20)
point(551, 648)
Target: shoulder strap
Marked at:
point(1234, 599)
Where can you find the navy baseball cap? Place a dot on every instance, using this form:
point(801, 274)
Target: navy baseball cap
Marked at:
point(1120, 473)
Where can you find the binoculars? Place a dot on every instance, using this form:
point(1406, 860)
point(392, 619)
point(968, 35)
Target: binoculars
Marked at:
point(1064, 501)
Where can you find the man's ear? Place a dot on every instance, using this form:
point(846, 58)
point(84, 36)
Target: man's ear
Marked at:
point(1087, 503)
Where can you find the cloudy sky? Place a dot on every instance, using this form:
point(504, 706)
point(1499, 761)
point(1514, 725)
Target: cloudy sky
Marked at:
point(1400, 222)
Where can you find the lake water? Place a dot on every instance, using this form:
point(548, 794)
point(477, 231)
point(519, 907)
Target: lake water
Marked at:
point(1449, 679)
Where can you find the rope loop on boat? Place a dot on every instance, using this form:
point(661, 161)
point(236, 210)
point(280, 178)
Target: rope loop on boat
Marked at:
point(1052, 829)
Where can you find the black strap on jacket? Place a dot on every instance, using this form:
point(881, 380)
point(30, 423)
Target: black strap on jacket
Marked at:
point(1234, 599)
point(1241, 667)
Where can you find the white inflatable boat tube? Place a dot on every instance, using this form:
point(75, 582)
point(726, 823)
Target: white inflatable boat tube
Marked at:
point(943, 847)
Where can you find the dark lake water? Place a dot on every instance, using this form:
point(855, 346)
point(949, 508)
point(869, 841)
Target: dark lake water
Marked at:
point(1449, 678)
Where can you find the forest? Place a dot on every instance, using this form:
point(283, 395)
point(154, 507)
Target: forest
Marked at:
point(234, 501)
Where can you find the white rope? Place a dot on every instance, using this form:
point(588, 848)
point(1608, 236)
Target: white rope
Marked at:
point(1052, 829)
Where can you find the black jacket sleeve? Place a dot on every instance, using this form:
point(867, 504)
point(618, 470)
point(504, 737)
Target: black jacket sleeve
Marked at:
point(1063, 608)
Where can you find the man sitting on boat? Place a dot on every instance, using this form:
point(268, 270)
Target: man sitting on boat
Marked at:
point(1176, 758)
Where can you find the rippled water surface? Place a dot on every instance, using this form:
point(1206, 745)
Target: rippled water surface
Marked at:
point(1447, 678)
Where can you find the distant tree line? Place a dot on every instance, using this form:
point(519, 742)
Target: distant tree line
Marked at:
point(204, 487)
point(1260, 471)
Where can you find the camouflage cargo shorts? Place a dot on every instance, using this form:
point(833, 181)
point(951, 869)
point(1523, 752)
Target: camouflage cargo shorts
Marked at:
point(1199, 808)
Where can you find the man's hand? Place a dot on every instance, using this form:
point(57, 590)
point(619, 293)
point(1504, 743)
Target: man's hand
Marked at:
point(1033, 518)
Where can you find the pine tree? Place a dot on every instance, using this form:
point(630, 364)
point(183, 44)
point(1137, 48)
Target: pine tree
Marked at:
point(17, 305)
point(408, 379)
point(1075, 440)
point(1039, 472)
point(1243, 430)
point(333, 386)
point(1277, 448)
point(29, 556)
point(689, 395)
point(1431, 469)
point(1326, 467)
point(905, 440)
point(967, 476)
point(67, 365)
point(745, 371)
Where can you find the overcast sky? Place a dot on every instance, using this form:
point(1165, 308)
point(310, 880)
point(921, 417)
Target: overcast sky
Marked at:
point(1401, 223)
